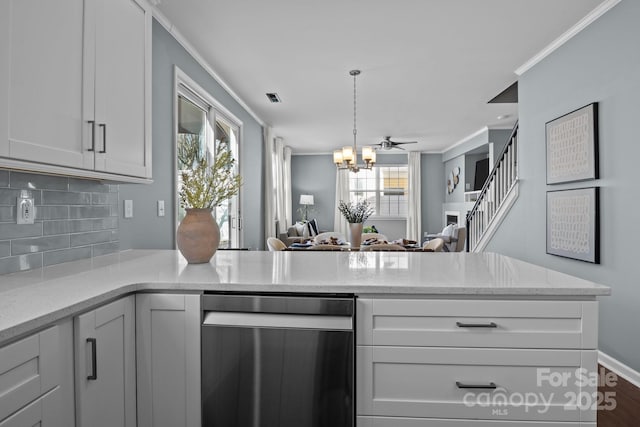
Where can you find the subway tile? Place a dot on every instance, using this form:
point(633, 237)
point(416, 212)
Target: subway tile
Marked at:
point(106, 248)
point(5, 249)
point(66, 255)
point(8, 196)
point(38, 182)
point(65, 198)
point(39, 244)
point(15, 231)
point(67, 226)
point(82, 185)
point(4, 178)
point(114, 188)
point(115, 235)
point(104, 223)
point(104, 198)
point(115, 210)
point(52, 212)
point(78, 212)
point(82, 239)
point(20, 263)
point(7, 213)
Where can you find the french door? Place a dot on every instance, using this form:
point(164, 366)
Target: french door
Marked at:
point(201, 122)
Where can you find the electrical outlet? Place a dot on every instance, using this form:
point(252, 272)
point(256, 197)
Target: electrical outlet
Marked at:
point(25, 210)
point(160, 207)
point(128, 208)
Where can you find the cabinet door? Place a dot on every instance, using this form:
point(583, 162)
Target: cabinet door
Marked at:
point(168, 344)
point(39, 365)
point(41, 75)
point(105, 366)
point(122, 87)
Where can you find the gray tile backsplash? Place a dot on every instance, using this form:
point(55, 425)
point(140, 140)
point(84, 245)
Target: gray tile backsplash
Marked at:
point(75, 219)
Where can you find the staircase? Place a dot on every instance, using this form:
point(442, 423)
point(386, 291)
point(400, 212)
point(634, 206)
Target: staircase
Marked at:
point(498, 194)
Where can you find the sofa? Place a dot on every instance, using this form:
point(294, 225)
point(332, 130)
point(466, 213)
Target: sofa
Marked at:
point(299, 232)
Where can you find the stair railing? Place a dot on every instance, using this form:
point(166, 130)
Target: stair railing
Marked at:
point(499, 183)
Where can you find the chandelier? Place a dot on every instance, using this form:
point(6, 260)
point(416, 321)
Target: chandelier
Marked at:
point(347, 157)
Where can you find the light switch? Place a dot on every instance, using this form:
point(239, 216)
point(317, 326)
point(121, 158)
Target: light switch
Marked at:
point(160, 207)
point(128, 208)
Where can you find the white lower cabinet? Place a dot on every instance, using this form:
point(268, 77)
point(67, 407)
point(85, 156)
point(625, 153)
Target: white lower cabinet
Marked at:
point(449, 363)
point(105, 365)
point(36, 379)
point(168, 342)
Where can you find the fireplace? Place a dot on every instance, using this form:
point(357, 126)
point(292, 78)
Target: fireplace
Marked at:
point(451, 217)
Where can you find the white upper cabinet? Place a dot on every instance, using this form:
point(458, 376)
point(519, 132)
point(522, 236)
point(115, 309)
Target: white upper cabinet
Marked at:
point(75, 87)
point(122, 83)
point(41, 77)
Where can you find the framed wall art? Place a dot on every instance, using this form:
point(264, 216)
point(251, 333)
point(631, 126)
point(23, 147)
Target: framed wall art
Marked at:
point(573, 224)
point(572, 146)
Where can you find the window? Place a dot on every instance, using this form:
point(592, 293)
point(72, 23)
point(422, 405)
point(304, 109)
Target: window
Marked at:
point(202, 122)
point(384, 187)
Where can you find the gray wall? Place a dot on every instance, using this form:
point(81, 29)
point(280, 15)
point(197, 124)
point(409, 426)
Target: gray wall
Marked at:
point(433, 191)
point(75, 219)
point(601, 64)
point(458, 193)
point(499, 138)
point(148, 231)
point(314, 174)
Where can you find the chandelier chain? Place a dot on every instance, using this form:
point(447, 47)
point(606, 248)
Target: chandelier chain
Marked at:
point(355, 131)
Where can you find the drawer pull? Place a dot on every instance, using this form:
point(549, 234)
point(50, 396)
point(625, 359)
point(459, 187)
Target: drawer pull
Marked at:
point(476, 325)
point(94, 361)
point(488, 386)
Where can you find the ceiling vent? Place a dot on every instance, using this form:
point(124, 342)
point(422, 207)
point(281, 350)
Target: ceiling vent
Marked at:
point(507, 96)
point(273, 97)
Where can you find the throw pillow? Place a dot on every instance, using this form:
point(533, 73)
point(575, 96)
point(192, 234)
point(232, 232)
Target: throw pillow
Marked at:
point(448, 230)
point(313, 227)
point(302, 229)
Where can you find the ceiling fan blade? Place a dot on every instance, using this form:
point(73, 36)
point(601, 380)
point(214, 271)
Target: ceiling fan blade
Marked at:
point(399, 148)
point(408, 142)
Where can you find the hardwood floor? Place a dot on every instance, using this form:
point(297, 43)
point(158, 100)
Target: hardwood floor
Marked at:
point(627, 410)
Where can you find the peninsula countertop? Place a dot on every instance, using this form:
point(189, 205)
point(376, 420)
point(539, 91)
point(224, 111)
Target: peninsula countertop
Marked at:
point(33, 299)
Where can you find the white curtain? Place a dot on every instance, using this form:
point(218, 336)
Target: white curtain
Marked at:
point(340, 224)
point(282, 181)
point(277, 185)
point(414, 214)
point(268, 183)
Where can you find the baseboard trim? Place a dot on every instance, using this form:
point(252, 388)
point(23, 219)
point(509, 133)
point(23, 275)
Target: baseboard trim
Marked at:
point(619, 368)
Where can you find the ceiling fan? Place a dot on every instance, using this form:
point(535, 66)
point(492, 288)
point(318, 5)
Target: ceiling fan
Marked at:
point(388, 144)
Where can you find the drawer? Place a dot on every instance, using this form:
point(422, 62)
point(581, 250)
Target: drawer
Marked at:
point(425, 382)
point(28, 369)
point(43, 412)
point(477, 323)
point(426, 422)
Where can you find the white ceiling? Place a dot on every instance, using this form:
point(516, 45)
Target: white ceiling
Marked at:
point(428, 66)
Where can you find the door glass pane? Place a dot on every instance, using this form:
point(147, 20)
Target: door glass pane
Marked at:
point(192, 125)
point(227, 214)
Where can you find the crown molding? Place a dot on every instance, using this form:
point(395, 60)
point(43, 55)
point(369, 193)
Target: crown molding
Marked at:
point(166, 23)
point(596, 13)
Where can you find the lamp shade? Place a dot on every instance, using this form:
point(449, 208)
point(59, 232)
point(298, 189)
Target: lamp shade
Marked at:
point(306, 199)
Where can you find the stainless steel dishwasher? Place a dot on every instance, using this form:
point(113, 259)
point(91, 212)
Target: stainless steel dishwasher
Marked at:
point(277, 361)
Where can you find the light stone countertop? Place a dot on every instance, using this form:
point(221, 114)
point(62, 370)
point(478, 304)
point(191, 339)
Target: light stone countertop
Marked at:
point(33, 299)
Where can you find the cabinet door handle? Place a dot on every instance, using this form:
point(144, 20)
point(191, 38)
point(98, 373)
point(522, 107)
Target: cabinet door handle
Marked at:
point(94, 359)
point(104, 137)
point(491, 385)
point(93, 135)
point(476, 325)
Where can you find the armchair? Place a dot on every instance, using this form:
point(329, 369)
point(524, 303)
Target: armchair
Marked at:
point(454, 238)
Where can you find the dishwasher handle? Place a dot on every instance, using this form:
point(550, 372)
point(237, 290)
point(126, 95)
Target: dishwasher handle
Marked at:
point(277, 321)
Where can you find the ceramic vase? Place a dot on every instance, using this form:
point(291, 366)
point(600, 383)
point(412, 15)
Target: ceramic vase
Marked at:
point(355, 234)
point(198, 236)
